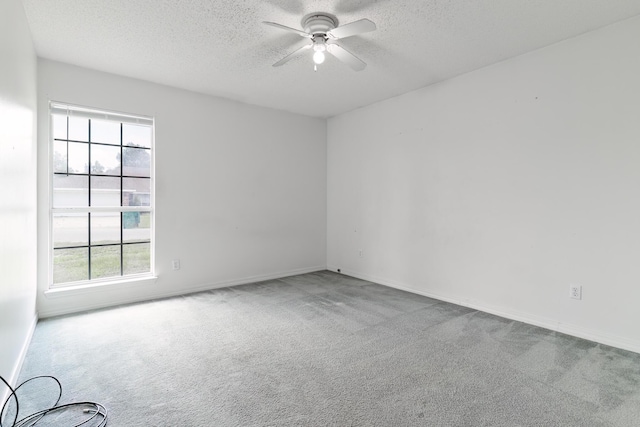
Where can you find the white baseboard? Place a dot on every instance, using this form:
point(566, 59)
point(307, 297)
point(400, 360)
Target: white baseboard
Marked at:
point(44, 312)
point(565, 328)
point(260, 278)
point(15, 372)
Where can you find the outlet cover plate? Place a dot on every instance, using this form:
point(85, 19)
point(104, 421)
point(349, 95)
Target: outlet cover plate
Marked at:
point(575, 291)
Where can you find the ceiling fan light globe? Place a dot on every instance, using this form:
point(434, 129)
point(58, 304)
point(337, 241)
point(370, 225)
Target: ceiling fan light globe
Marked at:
point(318, 57)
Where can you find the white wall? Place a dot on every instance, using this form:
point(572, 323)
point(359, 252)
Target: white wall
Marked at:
point(17, 189)
point(501, 187)
point(240, 190)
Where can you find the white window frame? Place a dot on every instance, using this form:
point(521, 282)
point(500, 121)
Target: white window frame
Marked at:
point(125, 118)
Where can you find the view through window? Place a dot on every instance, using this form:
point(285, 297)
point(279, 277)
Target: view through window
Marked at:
point(102, 195)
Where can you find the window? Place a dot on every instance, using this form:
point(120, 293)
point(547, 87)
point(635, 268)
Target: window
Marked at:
point(101, 216)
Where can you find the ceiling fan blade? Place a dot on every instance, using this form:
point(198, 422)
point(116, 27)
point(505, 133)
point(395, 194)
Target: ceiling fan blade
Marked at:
point(351, 29)
point(284, 27)
point(292, 55)
point(345, 56)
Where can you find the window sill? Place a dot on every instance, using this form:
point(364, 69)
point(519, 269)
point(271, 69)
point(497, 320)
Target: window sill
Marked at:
point(100, 286)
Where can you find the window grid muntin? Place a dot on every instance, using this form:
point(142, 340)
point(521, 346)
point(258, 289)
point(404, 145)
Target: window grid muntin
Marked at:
point(120, 198)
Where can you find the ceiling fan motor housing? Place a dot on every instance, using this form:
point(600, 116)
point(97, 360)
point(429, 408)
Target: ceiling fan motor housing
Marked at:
point(319, 23)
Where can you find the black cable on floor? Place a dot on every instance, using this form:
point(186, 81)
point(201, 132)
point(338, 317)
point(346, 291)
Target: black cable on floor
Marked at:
point(97, 413)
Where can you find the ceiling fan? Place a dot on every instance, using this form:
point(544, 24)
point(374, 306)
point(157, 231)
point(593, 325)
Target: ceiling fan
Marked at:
point(323, 30)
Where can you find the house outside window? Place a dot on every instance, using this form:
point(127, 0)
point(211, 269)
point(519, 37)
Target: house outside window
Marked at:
point(101, 198)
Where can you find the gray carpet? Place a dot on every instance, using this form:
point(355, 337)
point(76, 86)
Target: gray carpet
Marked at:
point(324, 349)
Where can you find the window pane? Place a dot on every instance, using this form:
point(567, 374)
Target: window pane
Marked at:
point(78, 129)
point(105, 191)
point(136, 226)
point(59, 124)
point(70, 265)
point(78, 157)
point(136, 192)
point(105, 228)
point(136, 135)
point(70, 229)
point(105, 261)
point(105, 132)
point(137, 161)
point(136, 258)
point(60, 156)
point(71, 190)
point(105, 159)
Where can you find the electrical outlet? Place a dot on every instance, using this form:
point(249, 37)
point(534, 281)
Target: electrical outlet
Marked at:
point(360, 253)
point(575, 291)
point(176, 264)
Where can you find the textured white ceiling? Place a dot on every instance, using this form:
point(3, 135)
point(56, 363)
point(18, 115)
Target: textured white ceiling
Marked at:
point(220, 47)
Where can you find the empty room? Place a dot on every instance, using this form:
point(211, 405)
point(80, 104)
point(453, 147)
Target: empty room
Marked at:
point(320, 213)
